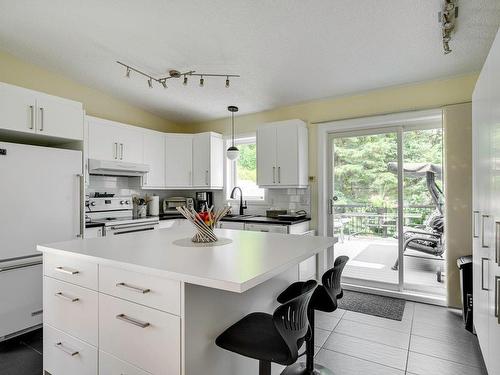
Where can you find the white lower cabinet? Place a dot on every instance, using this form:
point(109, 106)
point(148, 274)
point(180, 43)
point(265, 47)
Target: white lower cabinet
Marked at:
point(110, 365)
point(65, 304)
point(147, 338)
point(231, 225)
point(63, 354)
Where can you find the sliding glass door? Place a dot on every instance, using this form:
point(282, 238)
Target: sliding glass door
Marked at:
point(386, 204)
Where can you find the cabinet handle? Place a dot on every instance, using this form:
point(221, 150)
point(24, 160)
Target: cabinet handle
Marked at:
point(134, 288)
point(497, 243)
point(67, 298)
point(21, 265)
point(279, 175)
point(66, 271)
point(206, 177)
point(483, 217)
point(66, 350)
point(37, 312)
point(482, 273)
point(497, 298)
point(41, 119)
point(115, 151)
point(274, 175)
point(32, 117)
point(135, 322)
point(121, 151)
point(475, 214)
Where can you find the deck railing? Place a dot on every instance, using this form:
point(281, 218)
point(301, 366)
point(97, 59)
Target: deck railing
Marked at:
point(368, 220)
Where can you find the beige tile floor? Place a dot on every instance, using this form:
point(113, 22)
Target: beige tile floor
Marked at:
point(430, 340)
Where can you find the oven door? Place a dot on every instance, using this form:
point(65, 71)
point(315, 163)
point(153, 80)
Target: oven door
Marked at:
point(114, 230)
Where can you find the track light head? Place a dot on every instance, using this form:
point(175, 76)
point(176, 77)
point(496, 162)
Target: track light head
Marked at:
point(227, 82)
point(150, 83)
point(202, 81)
point(185, 81)
point(127, 73)
point(164, 84)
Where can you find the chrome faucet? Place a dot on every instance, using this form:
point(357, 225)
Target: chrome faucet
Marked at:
point(233, 196)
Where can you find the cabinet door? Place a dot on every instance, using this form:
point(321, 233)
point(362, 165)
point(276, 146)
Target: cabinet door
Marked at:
point(103, 142)
point(216, 162)
point(266, 156)
point(17, 108)
point(59, 117)
point(287, 155)
point(154, 156)
point(178, 160)
point(130, 144)
point(201, 160)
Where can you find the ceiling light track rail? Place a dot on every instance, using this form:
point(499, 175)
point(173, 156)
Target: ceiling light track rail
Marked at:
point(175, 74)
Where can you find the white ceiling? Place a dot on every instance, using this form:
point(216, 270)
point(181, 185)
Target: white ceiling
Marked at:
point(287, 51)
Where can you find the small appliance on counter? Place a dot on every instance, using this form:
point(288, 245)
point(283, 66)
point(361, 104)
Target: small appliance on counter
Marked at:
point(293, 215)
point(153, 205)
point(170, 204)
point(204, 199)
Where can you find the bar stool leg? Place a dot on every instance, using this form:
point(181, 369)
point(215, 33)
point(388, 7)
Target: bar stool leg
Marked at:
point(309, 367)
point(264, 368)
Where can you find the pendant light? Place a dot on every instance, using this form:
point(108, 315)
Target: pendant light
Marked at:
point(232, 152)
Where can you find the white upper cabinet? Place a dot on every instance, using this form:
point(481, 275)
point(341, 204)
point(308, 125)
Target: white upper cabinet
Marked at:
point(179, 160)
point(208, 159)
point(282, 155)
point(154, 156)
point(34, 112)
point(109, 140)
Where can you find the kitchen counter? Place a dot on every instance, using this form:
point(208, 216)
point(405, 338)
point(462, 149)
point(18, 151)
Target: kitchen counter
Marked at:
point(150, 302)
point(250, 219)
point(225, 267)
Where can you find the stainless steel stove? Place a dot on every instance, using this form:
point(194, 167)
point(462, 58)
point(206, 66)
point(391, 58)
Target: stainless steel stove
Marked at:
point(116, 215)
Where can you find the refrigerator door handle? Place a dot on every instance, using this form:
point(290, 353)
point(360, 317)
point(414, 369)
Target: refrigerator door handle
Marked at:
point(81, 213)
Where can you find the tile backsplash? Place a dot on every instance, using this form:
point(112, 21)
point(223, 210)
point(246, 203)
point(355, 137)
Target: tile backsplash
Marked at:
point(286, 199)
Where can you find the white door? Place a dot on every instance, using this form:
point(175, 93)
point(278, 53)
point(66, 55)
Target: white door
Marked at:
point(287, 156)
point(178, 160)
point(17, 108)
point(201, 160)
point(154, 156)
point(266, 156)
point(130, 144)
point(59, 117)
point(103, 141)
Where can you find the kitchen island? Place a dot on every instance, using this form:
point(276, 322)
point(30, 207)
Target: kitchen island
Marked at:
point(151, 303)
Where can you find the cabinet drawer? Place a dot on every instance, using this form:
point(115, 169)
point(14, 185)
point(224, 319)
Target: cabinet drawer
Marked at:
point(63, 354)
point(271, 228)
point(71, 309)
point(110, 365)
point(147, 338)
point(151, 291)
point(71, 270)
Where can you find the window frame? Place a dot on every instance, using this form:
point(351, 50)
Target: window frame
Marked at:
point(230, 171)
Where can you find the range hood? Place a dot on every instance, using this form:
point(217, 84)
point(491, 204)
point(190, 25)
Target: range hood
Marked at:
point(116, 168)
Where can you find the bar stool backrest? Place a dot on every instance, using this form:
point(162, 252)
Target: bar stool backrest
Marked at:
point(331, 278)
point(290, 319)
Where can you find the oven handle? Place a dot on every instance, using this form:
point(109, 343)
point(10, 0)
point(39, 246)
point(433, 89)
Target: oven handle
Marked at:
point(134, 230)
point(126, 226)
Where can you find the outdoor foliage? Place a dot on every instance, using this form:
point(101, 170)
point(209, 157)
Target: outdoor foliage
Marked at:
point(361, 175)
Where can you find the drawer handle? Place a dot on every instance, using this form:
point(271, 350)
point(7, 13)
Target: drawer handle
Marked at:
point(134, 288)
point(135, 322)
point(66, 350)
point(37, 312)
point(65, 297)
point(67, 271)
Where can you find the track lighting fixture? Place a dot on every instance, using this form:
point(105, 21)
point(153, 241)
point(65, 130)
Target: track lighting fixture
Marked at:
point(175, 74)
point(447, 17)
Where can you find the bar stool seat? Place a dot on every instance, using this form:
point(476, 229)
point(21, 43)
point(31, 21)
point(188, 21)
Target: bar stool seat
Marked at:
point(271, 338)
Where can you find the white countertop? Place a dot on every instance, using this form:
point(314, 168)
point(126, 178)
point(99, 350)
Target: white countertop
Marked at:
point(251, 258)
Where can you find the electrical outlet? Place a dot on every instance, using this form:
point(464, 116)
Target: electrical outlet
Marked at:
point(3, 151)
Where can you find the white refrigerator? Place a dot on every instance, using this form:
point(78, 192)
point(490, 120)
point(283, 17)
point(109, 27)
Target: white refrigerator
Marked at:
point(40, 202)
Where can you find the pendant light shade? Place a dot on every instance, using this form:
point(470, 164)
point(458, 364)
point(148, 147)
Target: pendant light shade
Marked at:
point(232, 152)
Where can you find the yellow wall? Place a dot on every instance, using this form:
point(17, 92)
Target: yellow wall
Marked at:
point(458, 185)
point(95, 102)
point(434, 94)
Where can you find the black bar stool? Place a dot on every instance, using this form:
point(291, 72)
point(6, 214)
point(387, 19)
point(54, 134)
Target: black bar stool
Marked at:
point(272, 338)
point(324, 298)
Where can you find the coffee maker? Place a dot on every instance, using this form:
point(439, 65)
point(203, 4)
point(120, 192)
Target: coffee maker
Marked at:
point(204, 199)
